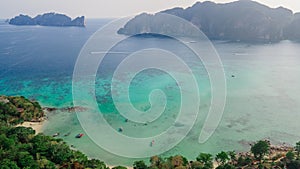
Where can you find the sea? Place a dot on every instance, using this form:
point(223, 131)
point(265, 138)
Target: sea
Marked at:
point(262, 89)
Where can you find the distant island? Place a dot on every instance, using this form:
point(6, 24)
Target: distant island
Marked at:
point(48, 19)
point(243, 20)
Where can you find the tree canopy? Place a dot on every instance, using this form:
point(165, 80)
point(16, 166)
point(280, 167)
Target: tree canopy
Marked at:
point(260, 149)
point(21, 148)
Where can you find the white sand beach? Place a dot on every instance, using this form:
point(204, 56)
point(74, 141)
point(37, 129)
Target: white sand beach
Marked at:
point(37, 126)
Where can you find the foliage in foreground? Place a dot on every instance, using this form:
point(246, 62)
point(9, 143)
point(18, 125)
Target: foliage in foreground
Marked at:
point(21, 148)
point(260, 157)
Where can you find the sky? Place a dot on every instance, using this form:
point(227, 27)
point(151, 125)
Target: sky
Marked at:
point(110, 8)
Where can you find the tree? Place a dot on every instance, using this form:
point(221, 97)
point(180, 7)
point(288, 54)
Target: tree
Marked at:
point(232, 155)
point(226, 166)
point(6, 143)
point(156, 161)
point(177, 161)
point(185, 161)
point(45, 164)
point(22, 133)
point(8, 164)
point(260, 166)
point(241, 161)
point(222, 157)
point(79, 157)
point(295, 164)
point(76, 165)
point(95, 163)
point(290, 156)
point(26, 160)
point(41, 145)
point(297, 148)
point(206, 159)
point(60, 153)
point(139, 165)
point(196, 165)
point(260, 149)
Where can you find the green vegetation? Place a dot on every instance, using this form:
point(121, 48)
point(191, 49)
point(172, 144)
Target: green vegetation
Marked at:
point(20, 147)
point(139, 165)
point(297, 147)
point(290, 155)
point(205, 160)
point(262, 155)
point(222, 157)
point(17, 109)
point(260, 149)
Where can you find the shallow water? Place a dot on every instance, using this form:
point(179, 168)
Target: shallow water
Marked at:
point(262, 98)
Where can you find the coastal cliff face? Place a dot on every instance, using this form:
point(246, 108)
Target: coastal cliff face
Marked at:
point(292, 31)
point(48, 19)
point(243, 20)
point(156, 24)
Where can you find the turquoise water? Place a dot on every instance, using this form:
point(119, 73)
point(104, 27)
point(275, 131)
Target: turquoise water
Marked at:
point(262, 99)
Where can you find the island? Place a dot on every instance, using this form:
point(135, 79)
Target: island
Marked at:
point(243, 20)
point(48, 19)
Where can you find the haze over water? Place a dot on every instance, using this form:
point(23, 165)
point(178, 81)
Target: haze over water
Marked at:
point(262, 98)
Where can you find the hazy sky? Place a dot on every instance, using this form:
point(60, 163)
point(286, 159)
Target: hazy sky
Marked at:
point(109, 8)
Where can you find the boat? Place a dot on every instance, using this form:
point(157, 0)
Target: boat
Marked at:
point(55, 135)
point(152, 143)
point(67, 134)
point(79, 135)
point(120, 129)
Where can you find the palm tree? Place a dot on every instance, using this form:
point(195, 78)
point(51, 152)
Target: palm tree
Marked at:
point(232, 156)
point(206, 159)
point(222, 157)
point(156, 161)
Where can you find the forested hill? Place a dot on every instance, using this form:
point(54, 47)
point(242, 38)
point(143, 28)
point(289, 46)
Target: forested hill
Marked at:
point(243, 20)
point(21, 148)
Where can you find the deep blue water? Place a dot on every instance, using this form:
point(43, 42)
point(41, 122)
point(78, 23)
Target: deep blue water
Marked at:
point(40, 55)
point(262, 99)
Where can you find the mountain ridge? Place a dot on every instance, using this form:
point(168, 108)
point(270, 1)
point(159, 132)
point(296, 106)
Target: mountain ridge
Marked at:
point(243, 20)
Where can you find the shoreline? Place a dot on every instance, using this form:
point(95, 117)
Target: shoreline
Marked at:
point(276, 151)
point(37, 126)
